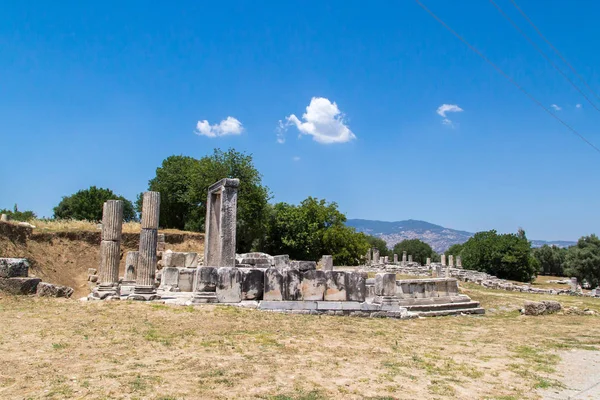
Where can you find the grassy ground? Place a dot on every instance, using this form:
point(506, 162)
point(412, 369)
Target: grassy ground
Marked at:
point(55, 349)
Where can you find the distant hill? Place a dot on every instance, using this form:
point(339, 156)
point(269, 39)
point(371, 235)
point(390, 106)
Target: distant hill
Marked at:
point(438, 237)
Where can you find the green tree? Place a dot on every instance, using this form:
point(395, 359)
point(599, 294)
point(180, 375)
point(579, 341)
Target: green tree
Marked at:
point(87, 204)
point(183, 184)
point(454, 250)
point(506, 256)
point(551, 259)
point(17, 215)
point(415, 247)
point(347, 246)
point(583, 260)
point(378, 243)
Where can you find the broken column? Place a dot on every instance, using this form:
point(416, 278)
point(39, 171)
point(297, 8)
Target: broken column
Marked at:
point(146, 267)
point(428, 261)
point(451, 261)
point(395, 258)
point(443, 260)
point(458, 262)
point(410, 259)
point(110, 250)
point(573, 283)
point(368, 259)
point(404, 259)
point(327, 262)
point(221, 214)
point(375, 256)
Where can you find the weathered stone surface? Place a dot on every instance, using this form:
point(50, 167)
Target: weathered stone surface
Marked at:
point(356, 289)
point(273, 284)
point(395, 258)
point(150, 210)
point(313, 285)
point(327, 262)
point(534, 308)
point(375, 256)
point(146, 268)
point(191, 260)
point(303, 265)
point(14, 267)
point(292, 282)
point(110, 255)
point(385, 284)
point(4, 218)
point(112, 220)
point(206, 279)
point(229, 285)
point(45, 289)
point(220, 223)
point(335, 286)
point(253, 281)
point(186, 279)
point(169, 278)
point(281, 262)
point(287, 305)
point(552, 306)
point(131, 260)
point(19, 285)
point(443, 260)
point(173, 259)
point(338, 305)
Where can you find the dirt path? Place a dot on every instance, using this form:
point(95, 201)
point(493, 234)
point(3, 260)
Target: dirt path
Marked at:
point(579, 371)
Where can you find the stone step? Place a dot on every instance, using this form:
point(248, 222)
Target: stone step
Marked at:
point(442, 307)
point(205, 297)
point(443, 313)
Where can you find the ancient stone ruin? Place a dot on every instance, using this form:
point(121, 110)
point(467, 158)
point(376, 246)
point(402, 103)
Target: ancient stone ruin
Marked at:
point(15, 279)
point(259, 280)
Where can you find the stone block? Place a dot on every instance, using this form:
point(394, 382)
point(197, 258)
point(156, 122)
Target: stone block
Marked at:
point(92, 271)
point(169, 278)
point(552, 306)
point(385, 284)
point(273, 284)
point(173, 259)
point(534, 308)
point(45, 289)
point(186, 279)
point(14, 267)
point(327, 263)
point(191, 260)
point(303, 265)
point(336, 284)
point(281, 262)
point(293, 279)
point(229, 285)
point(253, 281)
point(356, 288)
point(287, 305)
point(313, 285)
point(338, 305)
point(20, 285)
point(206, 279)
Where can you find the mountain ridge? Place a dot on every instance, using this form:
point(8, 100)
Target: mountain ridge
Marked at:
point(437, 236)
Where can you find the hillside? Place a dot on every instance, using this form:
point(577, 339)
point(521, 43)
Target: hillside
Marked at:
point(438, 237)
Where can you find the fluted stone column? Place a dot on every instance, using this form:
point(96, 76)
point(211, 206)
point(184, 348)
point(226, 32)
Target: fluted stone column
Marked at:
point(110, 250)
point(451, 261)
point(368, 261)
point(404, 259)
point(146, 266)
point(375, 256)
point(458, 262)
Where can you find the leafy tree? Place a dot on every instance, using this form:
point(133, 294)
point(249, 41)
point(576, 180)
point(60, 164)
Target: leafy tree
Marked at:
point(183, 185)
point(87, 204)
point(583, 260)
point(415, 247)
point(551, 259)
point(506, 256)
point(379, 244)
point(454, 250)
point(347, 246)
point(17, 215)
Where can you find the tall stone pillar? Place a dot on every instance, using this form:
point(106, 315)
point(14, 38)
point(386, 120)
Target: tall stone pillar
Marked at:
point(443, 260)
point(573, 284)
point(410, 258)
point(428, 262)
point(395, 258)
point(110, 250)
point(458, 262)
point(451, 261)
point(375, 256)
point(368, 260)
point(146, 265)
point(221, 216)
point(404, 259)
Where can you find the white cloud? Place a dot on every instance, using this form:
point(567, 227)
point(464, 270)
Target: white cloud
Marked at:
point(296, 158)
point(448, 108)
point(229, 126)
point(555, 107)
point(577, 105)
point(322, 120)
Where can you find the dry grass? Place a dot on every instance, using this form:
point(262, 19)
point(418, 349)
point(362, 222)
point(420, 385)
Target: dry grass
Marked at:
point(55, 349)
point(72, 225)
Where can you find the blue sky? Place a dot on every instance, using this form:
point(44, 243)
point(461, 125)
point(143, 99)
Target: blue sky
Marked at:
point(99, 93)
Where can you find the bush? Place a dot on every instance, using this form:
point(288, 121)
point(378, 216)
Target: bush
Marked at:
point(506, 256)
point(88, 204)
point(17, 215)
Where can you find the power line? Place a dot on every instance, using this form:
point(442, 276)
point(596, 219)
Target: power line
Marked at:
point(511, 80)
point(554, 48)
point(556, 67)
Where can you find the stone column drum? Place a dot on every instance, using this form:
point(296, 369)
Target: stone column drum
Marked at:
point(110, 249)
point(395, 258)
point(146, 271)
point(443, 260)
point(404, 259)
point(451, 261)
point(375, 256)
point(458, 262)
